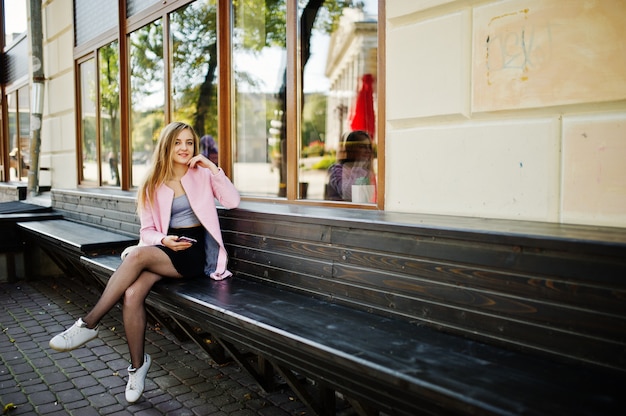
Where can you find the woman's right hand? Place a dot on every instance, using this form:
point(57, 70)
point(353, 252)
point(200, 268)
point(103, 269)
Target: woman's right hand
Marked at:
point(171, 241)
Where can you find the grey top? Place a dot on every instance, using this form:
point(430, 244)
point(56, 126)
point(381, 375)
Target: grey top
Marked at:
point(182, 214)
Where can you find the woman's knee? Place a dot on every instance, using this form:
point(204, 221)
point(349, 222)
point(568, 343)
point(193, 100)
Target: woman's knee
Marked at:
point(133, 298)
point(137, 293)
point(139, 255)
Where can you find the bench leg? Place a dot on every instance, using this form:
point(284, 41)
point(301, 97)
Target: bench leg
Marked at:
point(204, 341)
point(179, 332)
point(261, 375)
point(325, 406)
point(361, 409)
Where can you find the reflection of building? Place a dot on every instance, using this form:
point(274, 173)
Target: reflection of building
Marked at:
point(352, 52)
point(252, 130)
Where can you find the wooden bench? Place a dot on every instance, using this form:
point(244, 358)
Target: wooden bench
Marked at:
point(11, 245)
point(66, 241)
point(414, 314)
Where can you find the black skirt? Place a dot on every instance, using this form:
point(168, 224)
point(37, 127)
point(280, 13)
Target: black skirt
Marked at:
point(189, 262)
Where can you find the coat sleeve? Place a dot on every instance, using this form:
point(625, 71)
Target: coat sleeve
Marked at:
point(150, 232)
point(224, 190)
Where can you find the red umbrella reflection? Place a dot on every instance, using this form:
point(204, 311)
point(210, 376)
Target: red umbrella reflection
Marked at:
point(363, 117)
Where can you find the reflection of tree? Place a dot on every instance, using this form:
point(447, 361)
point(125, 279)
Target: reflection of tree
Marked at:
point(314, 119)
point(194, 61)
point(110, 101)
point(147, 79)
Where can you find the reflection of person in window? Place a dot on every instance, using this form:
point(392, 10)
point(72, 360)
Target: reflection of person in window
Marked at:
point(18, 167)
point(354, 167)
point(208, 147)
point(113, 167)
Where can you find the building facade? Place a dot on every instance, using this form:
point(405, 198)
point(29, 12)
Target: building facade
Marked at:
point(510, 109)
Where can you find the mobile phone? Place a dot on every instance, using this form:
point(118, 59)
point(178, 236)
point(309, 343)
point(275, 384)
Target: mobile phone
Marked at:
point(187, 239)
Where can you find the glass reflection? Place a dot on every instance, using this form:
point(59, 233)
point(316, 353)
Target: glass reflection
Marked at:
point(194, 70)
point(12, 118)
point(15, 20)
point(89, 171)
point(108, 58)
point(147, 88)
point(259, 60)
point(19, 134)
point(339, 57)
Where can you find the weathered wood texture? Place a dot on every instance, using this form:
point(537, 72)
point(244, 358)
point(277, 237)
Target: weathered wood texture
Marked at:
point(553, 289)
point(416, 314)
point(65, 241)
point(392, 365)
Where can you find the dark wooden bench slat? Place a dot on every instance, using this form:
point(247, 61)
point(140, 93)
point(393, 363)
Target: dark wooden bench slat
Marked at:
point(12, 207)
point(9, 232)
point(78, 237)
point(547, 289)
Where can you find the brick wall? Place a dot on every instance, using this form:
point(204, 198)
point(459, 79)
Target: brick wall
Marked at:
point(111, 209)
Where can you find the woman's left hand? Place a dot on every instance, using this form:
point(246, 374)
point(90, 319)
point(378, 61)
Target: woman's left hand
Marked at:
point(202, 161)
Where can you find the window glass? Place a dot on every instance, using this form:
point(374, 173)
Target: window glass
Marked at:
point(15, 20)
point(147, 82)
point(194, 71)
point(14, 149)
point(338, 122)
point(19, 134)
point(88, 130)
point(259, 60)
point(135, 6)
point(108, 61)
point(93, 18)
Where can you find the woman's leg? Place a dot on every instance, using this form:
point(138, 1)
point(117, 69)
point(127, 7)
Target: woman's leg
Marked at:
point(141, 259)
point(134, 312)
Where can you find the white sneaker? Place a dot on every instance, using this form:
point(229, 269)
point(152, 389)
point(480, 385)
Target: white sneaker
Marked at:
point(137, 379)
point(73, 337)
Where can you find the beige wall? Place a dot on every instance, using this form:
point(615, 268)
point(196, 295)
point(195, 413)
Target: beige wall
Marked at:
point(58, 140)
point(507, 109)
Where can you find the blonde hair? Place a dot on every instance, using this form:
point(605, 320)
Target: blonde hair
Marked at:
point(162, 168)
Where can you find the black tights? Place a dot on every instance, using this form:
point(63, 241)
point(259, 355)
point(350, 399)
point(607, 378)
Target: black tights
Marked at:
point(140, 270)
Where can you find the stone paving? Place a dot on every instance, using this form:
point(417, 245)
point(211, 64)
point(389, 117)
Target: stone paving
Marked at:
point(91, 380)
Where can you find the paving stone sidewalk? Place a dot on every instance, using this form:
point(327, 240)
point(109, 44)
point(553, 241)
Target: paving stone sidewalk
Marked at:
point(91, 380)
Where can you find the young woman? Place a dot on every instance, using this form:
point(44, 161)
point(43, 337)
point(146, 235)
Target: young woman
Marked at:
point(354, 167)
point(180, 237)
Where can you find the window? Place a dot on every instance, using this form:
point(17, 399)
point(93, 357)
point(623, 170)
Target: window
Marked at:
point(336, 94)
point(337, 151)
point(18, 104)
point(99, 109)
point(294, 78)
point(259, 72)
point(147, 92)
point(15, 20)
point(88, 131)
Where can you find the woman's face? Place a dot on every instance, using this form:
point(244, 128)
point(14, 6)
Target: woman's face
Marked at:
point(363, 151)
point(183, 147)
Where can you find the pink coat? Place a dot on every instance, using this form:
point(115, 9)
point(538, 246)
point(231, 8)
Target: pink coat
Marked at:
point(202, 188)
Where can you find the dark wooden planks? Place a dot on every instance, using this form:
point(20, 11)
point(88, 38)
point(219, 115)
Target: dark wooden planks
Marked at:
point(409, 365)
point(73, 236)
point(416, 321)
point(559, 294)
